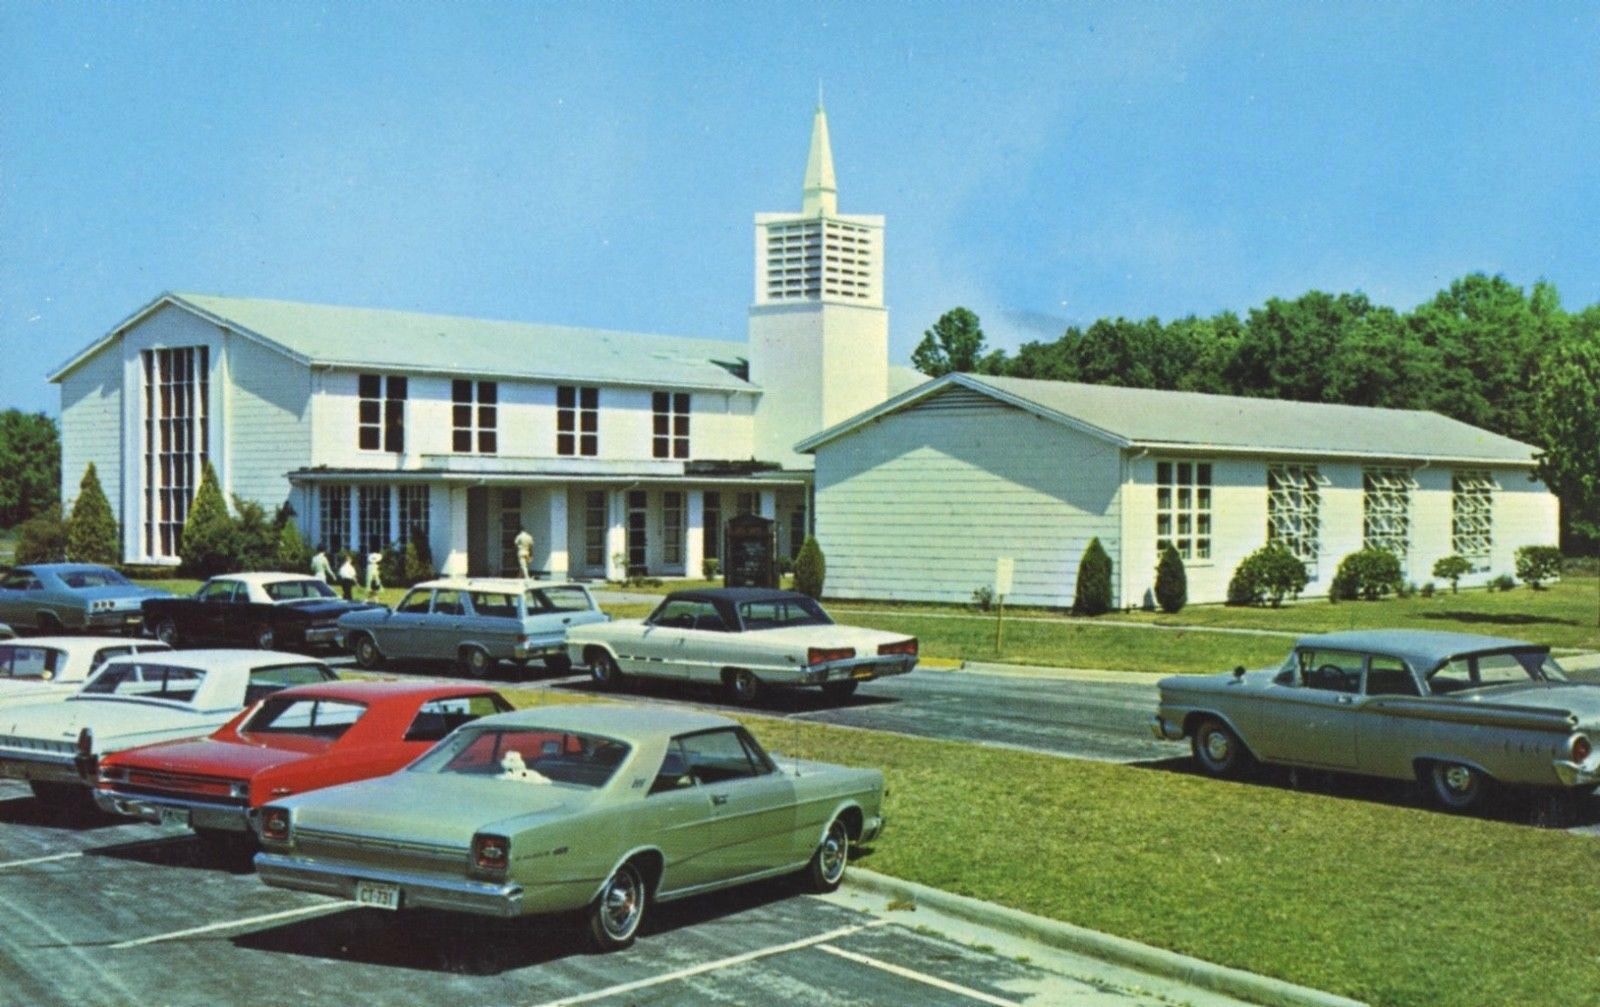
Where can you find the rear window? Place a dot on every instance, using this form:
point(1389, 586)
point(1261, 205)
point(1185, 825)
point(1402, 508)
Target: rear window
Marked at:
point(527, 754)
point(93, 578)
point(316, 718)
point(796, 611)
point(295, 590)
point(265, 681)
point(146, 681)
point(437, 718)
point(19, 661)
point(558, 599)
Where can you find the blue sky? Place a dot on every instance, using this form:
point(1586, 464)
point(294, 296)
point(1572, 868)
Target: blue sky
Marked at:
point(599, 164)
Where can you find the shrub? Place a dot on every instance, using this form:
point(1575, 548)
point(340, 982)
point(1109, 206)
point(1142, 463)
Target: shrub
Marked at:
point(255, 539)
point(1270, 574)
point(710, 568)
point(293, 553)
point(42, 538)
point(1427, 590)
point(1452, 568)
point(419, 559)
point(208, 544)
point(810, 569)
point(93, 535)
point(983, 598)
point(1504, 582)
point(1538, 563)
point(391, 569)
point(1172, 583)
point(1369, 574)
point(1406, 590)
point(785, 565)
point(1093, 594)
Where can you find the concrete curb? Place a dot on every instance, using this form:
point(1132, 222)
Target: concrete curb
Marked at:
point(1121, 951)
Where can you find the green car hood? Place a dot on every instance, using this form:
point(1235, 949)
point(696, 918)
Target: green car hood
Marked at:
point(435, 809)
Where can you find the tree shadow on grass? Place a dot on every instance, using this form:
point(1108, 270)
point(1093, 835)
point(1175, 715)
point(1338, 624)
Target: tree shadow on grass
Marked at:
point(1497, 618)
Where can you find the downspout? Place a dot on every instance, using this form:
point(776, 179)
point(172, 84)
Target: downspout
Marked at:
point(1122, 523)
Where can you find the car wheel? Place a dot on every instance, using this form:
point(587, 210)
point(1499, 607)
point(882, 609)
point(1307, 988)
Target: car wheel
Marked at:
point(1218, 750)
point(605, 671)
point(48, 623)
point(826, 869)
point(262, 637)
point(744, 688)
point(167, 632)
point(367, 653)
point(839, 691)
point(476, 662)
point(615, 916)
point(559, 664)
point(1456, 787)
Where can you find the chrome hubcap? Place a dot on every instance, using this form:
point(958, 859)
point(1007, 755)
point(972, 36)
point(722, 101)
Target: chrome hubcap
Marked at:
point(1217, 746)
point(1458, 778)
point(834, 852)
point(621, 904)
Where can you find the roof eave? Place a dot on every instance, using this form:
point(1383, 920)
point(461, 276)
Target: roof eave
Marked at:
point(597, 379)
point(1188, 447)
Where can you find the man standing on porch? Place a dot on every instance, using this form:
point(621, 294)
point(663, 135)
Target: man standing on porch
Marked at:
point(524, 544)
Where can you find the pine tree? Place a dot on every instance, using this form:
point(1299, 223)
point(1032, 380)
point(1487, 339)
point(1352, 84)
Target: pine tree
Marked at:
point(294, 556)
point(208, 545)
point(1093, 595)
point(1172, 583)
point(93, 535)
point(810, 569)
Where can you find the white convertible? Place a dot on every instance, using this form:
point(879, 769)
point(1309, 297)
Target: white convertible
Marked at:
point(53, 667)
point(745, 639)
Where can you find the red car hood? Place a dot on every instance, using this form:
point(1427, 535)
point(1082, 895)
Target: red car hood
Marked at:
point(235, 760)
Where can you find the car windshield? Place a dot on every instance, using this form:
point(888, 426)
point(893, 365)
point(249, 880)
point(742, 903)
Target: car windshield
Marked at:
point(776, 613)
point(98, 577)
point(557, 599)
point(146, 681)
point(1506, 667)
point(295, 590)
point(314, 718)
point(20, 661)
point(527, 755)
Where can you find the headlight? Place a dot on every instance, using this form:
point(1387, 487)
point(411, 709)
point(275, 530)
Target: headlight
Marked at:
point(275, 825)
point(239, 790)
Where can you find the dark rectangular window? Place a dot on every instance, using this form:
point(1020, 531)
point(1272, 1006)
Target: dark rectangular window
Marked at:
point(474, 417)
point(577, 421)
point(380, 417)
point(671, 425)
point(712, 523)
point(638, 521)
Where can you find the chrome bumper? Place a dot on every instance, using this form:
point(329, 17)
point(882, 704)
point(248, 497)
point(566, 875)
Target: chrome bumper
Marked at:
point(124, 619)
point(43, 767)
point(1165, 731)
point(483, 898)
point(540, 647)
point(329, 636)
point(1571, 774)
point(861, 669)
point(871, 829)
point(201, 814)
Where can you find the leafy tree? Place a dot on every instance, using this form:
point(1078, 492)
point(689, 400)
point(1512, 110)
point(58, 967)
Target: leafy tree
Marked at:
point(93, 535)
point(1288, 346)
point(1093, 593)
point(1369, 574)
point(1538, 563)
point(1269, 574)
point(955, 343)
point(255, 538)
point(1172, 583)
point(42, 538)
point(30, 457)
point(419, 557)
point(293, 554)
point(1452, 568)
point(810, 569)
point(392, 568)
point(209, 544)
point(1566, 413)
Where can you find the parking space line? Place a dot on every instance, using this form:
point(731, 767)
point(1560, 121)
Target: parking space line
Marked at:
point(921, 977)
point(40, 860)
point(719, 964)
point(321, 907)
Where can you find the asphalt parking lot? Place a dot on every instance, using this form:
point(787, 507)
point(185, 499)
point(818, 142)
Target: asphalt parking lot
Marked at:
point(101, 912)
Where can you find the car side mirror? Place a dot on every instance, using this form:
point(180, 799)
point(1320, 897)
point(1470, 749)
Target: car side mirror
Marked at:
point(1238, 672)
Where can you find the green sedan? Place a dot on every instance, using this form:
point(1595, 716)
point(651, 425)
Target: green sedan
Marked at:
point(599, 808)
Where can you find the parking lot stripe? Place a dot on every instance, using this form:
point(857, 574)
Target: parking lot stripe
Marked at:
point(719, 964)
point(321, 907)
point(921, 977)
point(40, 860)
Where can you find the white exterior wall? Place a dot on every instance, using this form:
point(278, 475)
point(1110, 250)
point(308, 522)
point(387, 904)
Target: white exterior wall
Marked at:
point(1525, 513)
point(268, 411)
point(818, 363)
point(920, 505)
point(91, 427)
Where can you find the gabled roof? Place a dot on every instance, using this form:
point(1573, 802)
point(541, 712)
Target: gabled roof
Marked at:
point(1218, 424)
point(407, 342)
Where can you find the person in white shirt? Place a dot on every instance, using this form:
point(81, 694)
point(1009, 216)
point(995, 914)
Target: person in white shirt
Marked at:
point(524, 544)
point(374, 574)
point(320, 567)
point(347, 576)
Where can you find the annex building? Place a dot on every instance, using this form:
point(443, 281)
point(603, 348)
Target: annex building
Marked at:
point(619, 452)
point(917, 498)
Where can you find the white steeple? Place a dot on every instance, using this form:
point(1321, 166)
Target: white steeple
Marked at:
point(821, 191)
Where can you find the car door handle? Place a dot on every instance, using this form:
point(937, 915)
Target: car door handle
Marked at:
point(719, 799)
point(1347, 700)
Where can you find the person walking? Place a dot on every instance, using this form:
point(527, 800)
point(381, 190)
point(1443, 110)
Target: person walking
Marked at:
point(347, 576)
point(374, 575)
point(524, 544)
point(320, 567)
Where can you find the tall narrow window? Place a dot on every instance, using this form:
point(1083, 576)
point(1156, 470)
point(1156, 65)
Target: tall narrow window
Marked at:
point(1472, 516)
point(797, 530)
point(1386, 511)
point(176, 440)
point(334, 518)
point(712, 525)
point(372, 516)
point(510, 526)
point(1294, 504)
point(475, 417)
point(577, 421)
point(672, 528)
point(1183, 508)
point(638, 521)
point(747, 503)
point(414, 516)
point(595, 524)
point(671, 428)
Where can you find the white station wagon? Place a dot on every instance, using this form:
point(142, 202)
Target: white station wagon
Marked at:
point(745, 639)
point(54, 667)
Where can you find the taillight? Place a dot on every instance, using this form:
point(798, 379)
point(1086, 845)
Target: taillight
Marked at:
point(1581, 749)
point(902, 647)
point(490, 853)
point(822, 655)
point(275, 824)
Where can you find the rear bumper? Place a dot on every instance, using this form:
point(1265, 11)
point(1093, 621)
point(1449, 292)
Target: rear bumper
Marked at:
point(41, 767)
point(483, 898)
point(540, 646)
point(859, 669)
point(1572, 774)
point(125, 620)
point(156, 809)
point(324, 636)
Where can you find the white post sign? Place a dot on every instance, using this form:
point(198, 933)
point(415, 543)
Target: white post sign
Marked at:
point(1003, 568)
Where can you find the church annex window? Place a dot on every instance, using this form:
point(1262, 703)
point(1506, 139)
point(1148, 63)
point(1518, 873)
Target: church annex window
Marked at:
point(711, 524)
point(672, 528)
point(638, 522)
point(414, 516)
point(176, 440)
point(381, 421)
point(1183, 508)
point(1472, 516)
point(1386, 511)
point(1294, 511)
point(671, 430)
point(333, 519)
point(577, 421)
point(372, 517)
point(595, 524)
point(475, 417)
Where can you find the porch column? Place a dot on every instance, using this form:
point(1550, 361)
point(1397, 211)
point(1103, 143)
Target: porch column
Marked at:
point(769, 504)
point(554, 556)
point(455, 560)
point(694, 540)
point(617, 536)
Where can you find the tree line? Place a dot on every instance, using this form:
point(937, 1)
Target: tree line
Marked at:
point(1483, 351)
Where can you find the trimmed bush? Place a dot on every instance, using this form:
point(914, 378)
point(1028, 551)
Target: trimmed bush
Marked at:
point(1537, 564)
point(42, 538)
point(1452, 568)
point(710, 568)
point(1427, 590)
point(419, 557)
point(1172, 583)
point(209, 544)
point(93, 535)
point(391, 569)
point(1368, 574)
point(1093, 594)
point(255, 539)
point(810, 569)
point(1269, 575)
point(294, 555)
point(1504, 582)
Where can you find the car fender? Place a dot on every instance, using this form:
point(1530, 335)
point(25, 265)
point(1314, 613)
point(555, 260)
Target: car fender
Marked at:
point(1418, 758)
point(634, 852)
point(350, 635)
point(1195, 713)
point(582, 645)
point(847, 804)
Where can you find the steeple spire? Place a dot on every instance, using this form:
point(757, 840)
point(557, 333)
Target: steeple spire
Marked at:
point(821, 191)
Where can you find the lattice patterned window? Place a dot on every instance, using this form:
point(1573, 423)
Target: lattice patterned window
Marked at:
point(638, 536)
point(595, 524)
point(1472, 516)
point(382, 417)
point(372, 515)
point(1386, 511)
point(1183, 508)
point(577, 421)
point(1294, 505)
point(176, 392)
point(475, 417)
point(671, 430)
point(333, 522)
point(414, 515)
point(672, 528)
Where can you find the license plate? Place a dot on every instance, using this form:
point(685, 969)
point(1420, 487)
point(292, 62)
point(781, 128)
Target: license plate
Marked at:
point(175, 816)
point(133, 620)
point(862, 673)
point(377, 895)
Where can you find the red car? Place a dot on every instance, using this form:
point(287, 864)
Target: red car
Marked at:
point(296, 740)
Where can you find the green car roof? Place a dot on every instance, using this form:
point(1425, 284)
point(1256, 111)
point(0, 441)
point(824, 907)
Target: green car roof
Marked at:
point(614, 720)
point(1420, 648)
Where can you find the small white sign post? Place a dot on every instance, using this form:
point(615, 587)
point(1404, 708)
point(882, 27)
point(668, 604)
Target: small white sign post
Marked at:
point(1004, 566)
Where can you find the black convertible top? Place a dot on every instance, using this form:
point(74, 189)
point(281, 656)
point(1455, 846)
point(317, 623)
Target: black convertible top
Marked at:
point(733, 595)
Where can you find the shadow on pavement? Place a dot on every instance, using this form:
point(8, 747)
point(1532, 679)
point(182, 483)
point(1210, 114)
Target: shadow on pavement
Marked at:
point(780, 701)
point(76, 817)
point(183, 850)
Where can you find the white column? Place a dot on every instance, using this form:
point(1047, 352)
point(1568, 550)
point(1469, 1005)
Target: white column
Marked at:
point(694, 542)
point(617, 536)
point(455, 560)
point(394, 513)
point(554, 556)
point(769, 504)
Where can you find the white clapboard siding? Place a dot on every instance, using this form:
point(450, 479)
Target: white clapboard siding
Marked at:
point(269, 427)
point(91, 426)
point(920, 506)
